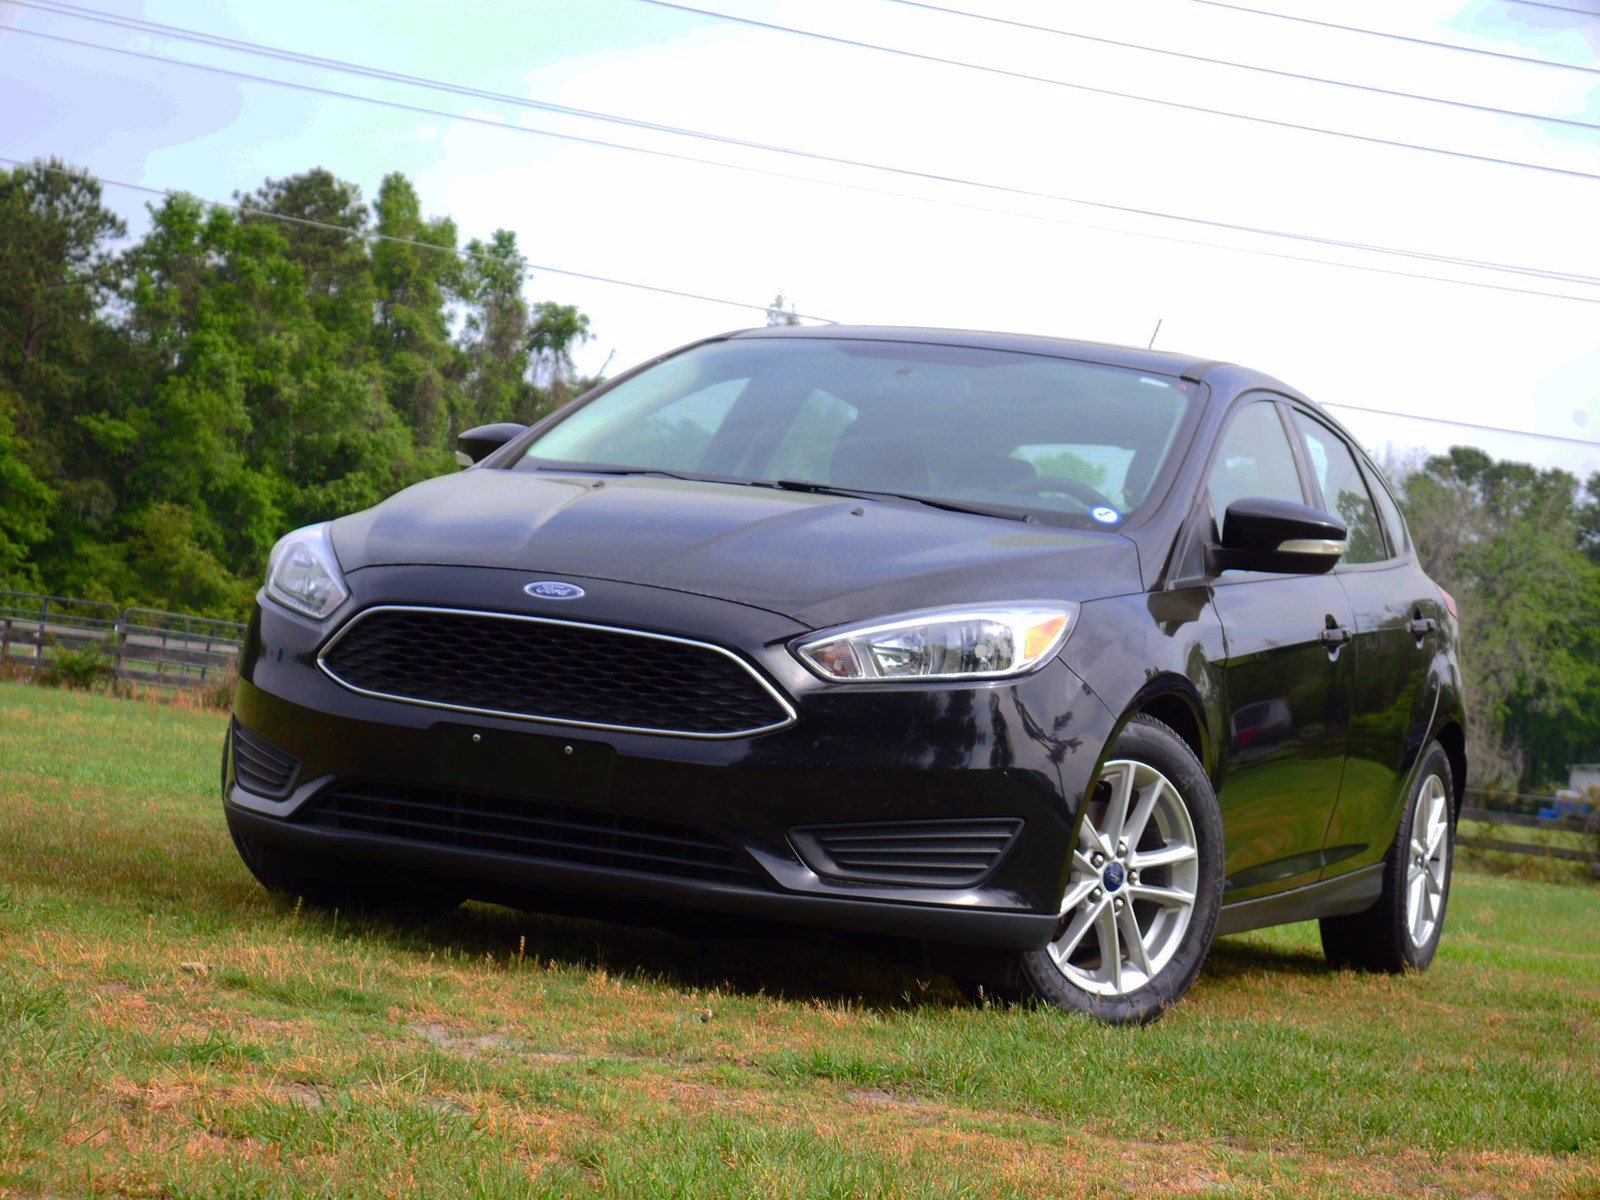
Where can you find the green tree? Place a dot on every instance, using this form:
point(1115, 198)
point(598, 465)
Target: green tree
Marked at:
point(25, 506)
point(781, 311)
point(323, 223)
point(417, 273)
point(495, 334)
point(557, 331)
point(1506, 540)
point(56, 271)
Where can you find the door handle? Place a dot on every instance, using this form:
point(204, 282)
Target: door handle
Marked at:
point(1422, 625)
point(1335, 635)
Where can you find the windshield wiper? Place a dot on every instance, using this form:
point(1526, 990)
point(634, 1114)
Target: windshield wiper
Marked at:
point(801, 485)
point(586, 469)
point(960, 506)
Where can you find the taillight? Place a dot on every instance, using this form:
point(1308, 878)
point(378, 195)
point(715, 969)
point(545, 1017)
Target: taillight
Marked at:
point(1449, 602)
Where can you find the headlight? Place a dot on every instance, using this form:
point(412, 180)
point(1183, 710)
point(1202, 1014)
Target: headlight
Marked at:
point(304, 574)
point(948, 643)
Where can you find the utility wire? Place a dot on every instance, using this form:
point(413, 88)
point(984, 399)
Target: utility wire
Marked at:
point(1228, 62)
point(1383, 412)
point(1583, 12)
point(367, 235)
point(1406, 37)
point(1006, 72)
point(371, 235)
point(1535, 272)
point(61, 8)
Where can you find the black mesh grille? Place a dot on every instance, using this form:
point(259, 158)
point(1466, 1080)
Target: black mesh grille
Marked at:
point(261, 767)
point(922, 853)
point(567, 673)
point(533, 829)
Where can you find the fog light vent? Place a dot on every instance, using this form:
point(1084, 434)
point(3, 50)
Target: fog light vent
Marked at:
point(942, 854)
point(261, 767)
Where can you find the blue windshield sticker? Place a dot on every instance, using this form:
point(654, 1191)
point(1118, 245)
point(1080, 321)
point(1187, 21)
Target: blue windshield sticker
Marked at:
point(1106, 516)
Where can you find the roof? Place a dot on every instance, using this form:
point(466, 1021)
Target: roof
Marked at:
point(1163, 362)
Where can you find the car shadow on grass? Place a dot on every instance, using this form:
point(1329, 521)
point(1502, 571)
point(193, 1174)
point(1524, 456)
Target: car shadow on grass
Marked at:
point(756, 958)
point(788, 962)
point(1234, 958)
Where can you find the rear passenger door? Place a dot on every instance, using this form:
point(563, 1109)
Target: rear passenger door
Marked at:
point(1391, 651)
point(1286, 673)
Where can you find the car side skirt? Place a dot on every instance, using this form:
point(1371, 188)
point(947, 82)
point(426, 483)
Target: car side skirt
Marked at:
point(1351, 893)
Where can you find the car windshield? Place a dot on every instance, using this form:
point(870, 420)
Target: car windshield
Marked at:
point(995, 430)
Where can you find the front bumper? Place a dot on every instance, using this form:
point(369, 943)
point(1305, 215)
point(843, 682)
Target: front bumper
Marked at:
point(1024, 750)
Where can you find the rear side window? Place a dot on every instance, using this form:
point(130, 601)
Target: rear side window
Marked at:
point(1254, 460)
point(1393, 523)
point(1344, 492)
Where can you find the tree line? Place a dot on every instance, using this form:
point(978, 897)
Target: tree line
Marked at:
point(171, 405)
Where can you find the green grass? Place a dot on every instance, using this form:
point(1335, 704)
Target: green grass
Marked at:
point(167, 1029)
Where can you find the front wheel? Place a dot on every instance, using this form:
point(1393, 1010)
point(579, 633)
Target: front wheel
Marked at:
point(1142, 897)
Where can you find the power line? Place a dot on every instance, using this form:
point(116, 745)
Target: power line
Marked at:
point(1383, 412)
point(369, 235)
point(1228, 62)
point(60, 7)
point(1582, 12)
point(1185, 106)
point(1406, 37)
point(1535, 272)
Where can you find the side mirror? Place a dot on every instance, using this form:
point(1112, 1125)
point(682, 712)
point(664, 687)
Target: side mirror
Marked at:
point(1279, 536)
point(475, 445)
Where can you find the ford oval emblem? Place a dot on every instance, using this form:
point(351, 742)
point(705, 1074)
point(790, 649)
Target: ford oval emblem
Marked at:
point(551, 589)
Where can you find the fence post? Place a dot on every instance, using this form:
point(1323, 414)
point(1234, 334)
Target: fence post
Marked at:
point(5, 642)
point(119, 637)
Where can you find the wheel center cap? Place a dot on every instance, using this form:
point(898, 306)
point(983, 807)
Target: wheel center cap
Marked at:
point(1114, 876)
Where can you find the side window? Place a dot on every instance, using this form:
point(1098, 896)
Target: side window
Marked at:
point(1343, 489)
point(1393, 522)
point(1254, 460)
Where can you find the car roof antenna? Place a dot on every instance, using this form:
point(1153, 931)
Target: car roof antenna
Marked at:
point(1153, 334)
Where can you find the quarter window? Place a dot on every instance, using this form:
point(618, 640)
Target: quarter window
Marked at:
point(1393, 523)
point(1344, 492)
point(1254, 460)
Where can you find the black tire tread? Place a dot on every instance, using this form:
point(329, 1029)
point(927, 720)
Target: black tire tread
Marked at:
point(1378, 939)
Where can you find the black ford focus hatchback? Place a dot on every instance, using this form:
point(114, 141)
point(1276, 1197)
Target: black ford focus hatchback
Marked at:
point(1059, 658)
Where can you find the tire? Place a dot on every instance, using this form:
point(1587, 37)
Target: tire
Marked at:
point(342, 884)
point(1167, 885)
point(1401, 931)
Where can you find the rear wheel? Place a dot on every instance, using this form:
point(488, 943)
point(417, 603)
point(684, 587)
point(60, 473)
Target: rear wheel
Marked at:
point(342, 884)
point(1401, 931)
point(1141, 902)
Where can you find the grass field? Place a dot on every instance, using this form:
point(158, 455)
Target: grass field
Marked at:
point(167, 1029)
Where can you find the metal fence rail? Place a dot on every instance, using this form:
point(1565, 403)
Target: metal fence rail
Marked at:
point(39, 633)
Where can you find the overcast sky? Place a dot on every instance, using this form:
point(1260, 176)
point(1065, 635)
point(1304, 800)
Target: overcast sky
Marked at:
point(1344, 336)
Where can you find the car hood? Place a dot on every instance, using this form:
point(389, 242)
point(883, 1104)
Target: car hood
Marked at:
point(818, 559)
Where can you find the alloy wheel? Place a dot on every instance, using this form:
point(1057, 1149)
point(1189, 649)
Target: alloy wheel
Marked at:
point(1427, 861)
point(1131, 891)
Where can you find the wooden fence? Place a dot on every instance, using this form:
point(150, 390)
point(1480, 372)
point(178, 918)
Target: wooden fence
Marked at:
point(1583, 849)
point(41, 633)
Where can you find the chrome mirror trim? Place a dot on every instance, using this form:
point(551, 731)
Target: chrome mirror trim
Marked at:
point(1324, 547)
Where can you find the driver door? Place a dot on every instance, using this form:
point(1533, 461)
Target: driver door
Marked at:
point(1287, 676)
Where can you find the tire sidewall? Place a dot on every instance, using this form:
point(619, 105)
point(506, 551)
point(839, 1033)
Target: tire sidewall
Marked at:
point(1148, 741)
point(1413, 956)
